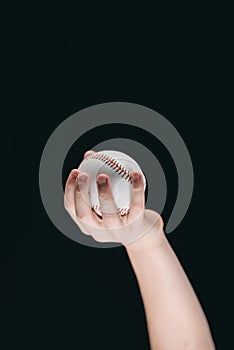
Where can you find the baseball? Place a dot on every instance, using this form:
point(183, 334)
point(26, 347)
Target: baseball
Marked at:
point(118, 166)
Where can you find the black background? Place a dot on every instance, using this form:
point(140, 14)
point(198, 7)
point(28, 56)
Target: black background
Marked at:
point(58, 58)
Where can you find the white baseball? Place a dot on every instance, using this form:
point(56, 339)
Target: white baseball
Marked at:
point(118, 166)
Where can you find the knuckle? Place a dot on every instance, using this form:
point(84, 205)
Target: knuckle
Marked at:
point(85, 231)
point(81, 216)
point(97, 238)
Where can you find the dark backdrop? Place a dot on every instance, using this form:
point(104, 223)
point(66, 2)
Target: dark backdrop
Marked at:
point(60, 57)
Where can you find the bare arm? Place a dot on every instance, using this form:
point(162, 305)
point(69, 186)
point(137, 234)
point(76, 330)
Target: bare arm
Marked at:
point(174, 316)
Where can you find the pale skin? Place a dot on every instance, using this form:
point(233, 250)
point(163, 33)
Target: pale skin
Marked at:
point(175, 319)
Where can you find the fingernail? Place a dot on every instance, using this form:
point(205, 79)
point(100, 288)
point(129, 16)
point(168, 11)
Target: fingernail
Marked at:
point(74, 174)
point(102, 180)
point(82, 178)
point(88, 153)
point(135, 177)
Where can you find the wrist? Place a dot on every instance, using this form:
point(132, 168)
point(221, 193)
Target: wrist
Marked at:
point(152, 240)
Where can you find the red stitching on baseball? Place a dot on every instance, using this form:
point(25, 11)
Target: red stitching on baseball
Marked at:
point(122, 211)
point(112, 163)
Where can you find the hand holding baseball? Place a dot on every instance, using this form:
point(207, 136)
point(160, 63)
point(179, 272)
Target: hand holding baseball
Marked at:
point(137, 223)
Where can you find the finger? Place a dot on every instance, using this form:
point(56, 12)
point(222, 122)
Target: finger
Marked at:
point(109, 209)
point(88, 153)
point(82, 199)
point(138, 195)
point(69, 194)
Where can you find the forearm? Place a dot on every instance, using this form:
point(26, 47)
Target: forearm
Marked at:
point(174, 316)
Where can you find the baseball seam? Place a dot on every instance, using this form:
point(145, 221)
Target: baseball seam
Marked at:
point(122, 211)
point(112, 163)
